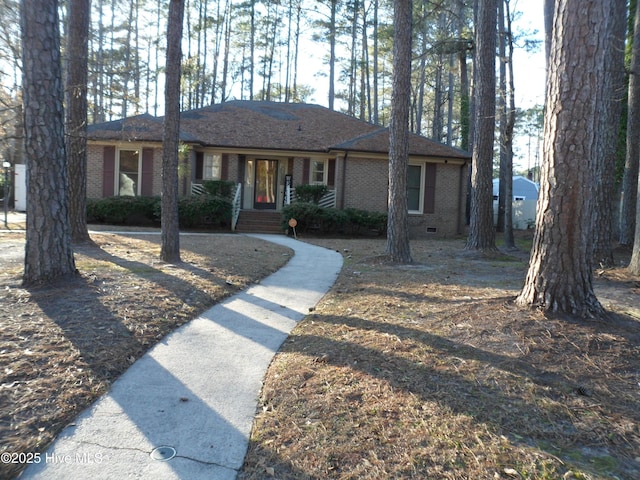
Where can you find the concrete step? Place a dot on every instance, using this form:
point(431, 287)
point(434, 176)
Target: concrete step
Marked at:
point(256, 221)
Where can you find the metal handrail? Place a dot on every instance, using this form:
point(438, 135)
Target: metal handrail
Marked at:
point(235, 207)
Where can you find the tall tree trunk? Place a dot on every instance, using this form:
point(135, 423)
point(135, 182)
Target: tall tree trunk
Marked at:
point(630, 180)
point(505, 172)
point(510, 120)
point(353, 64)
point(465, 101)
point(296, 52)
point(464, 81)
point(560, 276)
point(98, 85)
point(170, 234)
point(252, 49)
point(76, 122)
point(48, 251)
point(376, 115)
point(225, 58)
point(481, 229)
point(332, 54)
point(156, 102)
point(397, 225)
point(604, 209)
point(548, 10)
point(287, 75)
point(634, 265)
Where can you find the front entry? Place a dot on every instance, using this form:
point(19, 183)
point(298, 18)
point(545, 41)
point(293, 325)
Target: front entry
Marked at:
point(266, 186)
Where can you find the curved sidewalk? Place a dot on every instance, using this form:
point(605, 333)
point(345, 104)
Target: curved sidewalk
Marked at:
point(194, 395)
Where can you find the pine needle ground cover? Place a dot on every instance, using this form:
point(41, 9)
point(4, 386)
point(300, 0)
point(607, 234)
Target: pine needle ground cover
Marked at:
point(421, 371)
point(429, 371)
point(61, 346)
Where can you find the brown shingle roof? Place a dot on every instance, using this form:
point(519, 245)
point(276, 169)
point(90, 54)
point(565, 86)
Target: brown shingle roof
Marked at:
point(271, 126)
point(141, 128)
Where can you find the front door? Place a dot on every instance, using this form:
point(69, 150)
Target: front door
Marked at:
point(266, 191)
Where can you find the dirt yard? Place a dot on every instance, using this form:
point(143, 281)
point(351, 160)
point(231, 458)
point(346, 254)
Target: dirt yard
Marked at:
point(422, 371)
point(62, 346)
point(430, 371)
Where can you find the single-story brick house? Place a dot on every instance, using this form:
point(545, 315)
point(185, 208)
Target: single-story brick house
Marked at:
point(267, 146)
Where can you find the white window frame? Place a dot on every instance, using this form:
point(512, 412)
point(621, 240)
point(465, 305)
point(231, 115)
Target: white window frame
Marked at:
point(421, 189)
point(117, 186)
point(313, 171)
point(211, 166)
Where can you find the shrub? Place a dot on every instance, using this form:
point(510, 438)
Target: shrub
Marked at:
point(204, 211)
point(193, 211)
point(310, 193)
point(362, 221)
point(312, 218)
point(219, 188)
point(308, 215)
point(123, 210)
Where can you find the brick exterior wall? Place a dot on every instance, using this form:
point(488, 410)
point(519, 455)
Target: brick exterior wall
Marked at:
point(366, 184)
point(94, 170)
point(365, 187)
point(95, 161)
point(449, 205)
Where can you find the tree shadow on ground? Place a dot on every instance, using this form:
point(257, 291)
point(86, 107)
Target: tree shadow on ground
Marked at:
point(515, 397)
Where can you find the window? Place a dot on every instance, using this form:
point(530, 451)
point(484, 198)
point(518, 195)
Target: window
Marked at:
point(421, 188)
point(208, 166)
point(212, 167)
point(128, 178)
point(318, 172)
point(414, 187)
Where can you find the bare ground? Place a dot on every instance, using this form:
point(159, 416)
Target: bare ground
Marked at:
point(430, 371)
point(61, 346)
point(423, 371)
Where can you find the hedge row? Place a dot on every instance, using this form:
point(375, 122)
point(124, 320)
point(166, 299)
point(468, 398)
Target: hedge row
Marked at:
point(314, 219)
point(195, 211)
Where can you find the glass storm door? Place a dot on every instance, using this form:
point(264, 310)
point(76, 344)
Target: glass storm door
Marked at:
point(266, 184)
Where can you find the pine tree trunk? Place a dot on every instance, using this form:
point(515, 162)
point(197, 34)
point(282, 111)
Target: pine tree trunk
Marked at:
point(48, 252)
point(634, 265)
point(76, 99)
point(560, 276)
point(170, 234)
point(604, 209)
point(510, 120)
point(631, 167)
point(481, 228)
point(397, 224)
point(332, 54)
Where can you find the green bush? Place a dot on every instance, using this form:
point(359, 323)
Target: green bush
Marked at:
point(312, 218)
point(308, 216)
point(219, 188)
point(204, 211)
point(363, 221)
point(310, 193)
point(193, 211)
point(123, 210)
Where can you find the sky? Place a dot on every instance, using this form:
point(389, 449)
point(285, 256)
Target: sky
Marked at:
point(529, 73)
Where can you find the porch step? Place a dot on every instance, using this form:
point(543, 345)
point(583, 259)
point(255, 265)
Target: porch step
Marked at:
point(259, 221)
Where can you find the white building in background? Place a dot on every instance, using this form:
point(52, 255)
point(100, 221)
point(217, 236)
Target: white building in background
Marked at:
point(525, 198)
point(20, 187)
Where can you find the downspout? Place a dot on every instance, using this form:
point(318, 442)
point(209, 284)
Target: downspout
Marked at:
point(343, 180)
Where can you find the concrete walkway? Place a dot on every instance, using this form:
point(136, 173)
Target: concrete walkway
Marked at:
point(186, 408)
